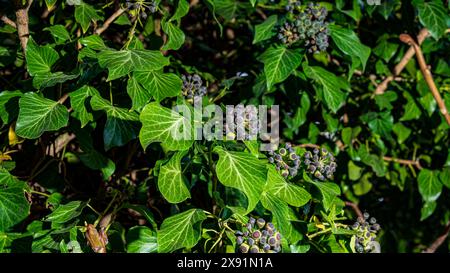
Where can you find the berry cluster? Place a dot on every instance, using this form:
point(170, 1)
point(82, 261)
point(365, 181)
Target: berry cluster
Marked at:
point(312, 28)
point(142, 6)
point(242, 120)
point(193, 86)
point(292, 5)
point(259, 237)
point(366, 228)
point(285, 160)
point(288, 34)
point(308, 26)
point(320, 163)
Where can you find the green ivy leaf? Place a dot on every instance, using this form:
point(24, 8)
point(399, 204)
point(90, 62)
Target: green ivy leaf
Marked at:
point(181, 11)
point(40, 59)
point(120, 63)
point(427, 210)
point(328, 190)
point(160, 85)
point(160, 124)
point(433, 15)
point(445, 177)
point(279, 210)
point(347, 41)
point(94, 42)
point(78, 102)
point(138, 94)
point(401, 131)
point(182, 230)
point(430, 186)
point(14, 207)
point(279, 63)
point(264, 30)
point(175, 36)
point(9, 102)
point(290, 193)
point(373, 161)
point(51, 79)
point(171, 182)
point(331, 86)
point(382, 124)
point(85, 14)
point(64, 213)
point(59, 33)
point(38, 115)
point(141, 240)
point(121, 125)
point(354, 172)
point(242, 171)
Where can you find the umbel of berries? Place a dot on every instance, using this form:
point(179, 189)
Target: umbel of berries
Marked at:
point(321, 163)
point(286, 161)
point(288, 34)
point(312, 28)
point(242, 122)
point(193, 86)
point(366, 228)
point(140, 6)
point(258, 237)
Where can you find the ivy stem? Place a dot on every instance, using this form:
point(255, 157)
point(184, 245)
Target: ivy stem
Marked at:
point(110, 93)
point(94, 210)
point(133, 28)
point(39, 193)
point(319, 233)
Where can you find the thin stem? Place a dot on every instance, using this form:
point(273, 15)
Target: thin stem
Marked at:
point(94, 210)
point(319, 233)
point(39, 193)
point(131, 33)
point(110, 93)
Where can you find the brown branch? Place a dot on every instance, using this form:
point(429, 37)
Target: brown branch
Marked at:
point(439, 241)
point(415, 163)
point(109, 21)
point(355, 208)
point(381, 88)
point(22, 22)
point(308, 145)
point(47, 12)
point(427, 75)
point(8, 21)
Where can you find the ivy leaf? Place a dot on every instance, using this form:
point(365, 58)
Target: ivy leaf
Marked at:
point(40, 59)
point(9, 101)
point(329, 191)
point(182, 230)
point(38, 115)
point(280, 212)
point(373, 161)
point(279, 63)
point(14, 207)
point(138, 94)
point(121, 125)
point(59, 33)
point(264, 30)
point(381, 124)
point(290, 193)
point(85, 14)
point(94, 42)
point(181, 11)
point(433, 15)
point(141, 240)
point(120, 63)
point(445, 177)
point(175, 36)
point(401, 131)
point(427, 210)
point(331, 86)
point(160, 85)
point(430, 186)
point(64, 213)
point(51, 79)
point(160, 124)
point(347, 41)
point(170, 180)
point(242, 171)
point(78, 102)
